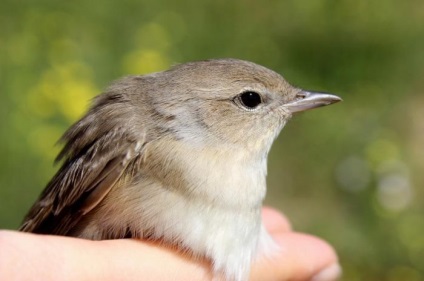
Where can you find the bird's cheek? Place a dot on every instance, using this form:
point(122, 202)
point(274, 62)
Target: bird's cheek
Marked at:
point(282, 112)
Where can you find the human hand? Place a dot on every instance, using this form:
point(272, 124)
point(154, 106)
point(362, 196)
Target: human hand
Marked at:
point(302, 256)
point(25, 256)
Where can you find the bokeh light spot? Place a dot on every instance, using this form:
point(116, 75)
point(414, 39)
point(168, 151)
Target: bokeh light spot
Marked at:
point(353, 173)
point(382, 150)
point(145, 61)
point(394, 192)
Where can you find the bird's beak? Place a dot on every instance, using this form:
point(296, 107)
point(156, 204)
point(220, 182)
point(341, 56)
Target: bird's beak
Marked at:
point(306, 100)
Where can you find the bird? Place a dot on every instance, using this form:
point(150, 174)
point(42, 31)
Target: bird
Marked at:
point(178, 156)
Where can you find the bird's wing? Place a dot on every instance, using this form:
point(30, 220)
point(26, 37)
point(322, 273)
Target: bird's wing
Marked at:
point(82, 182)
point(99, 150)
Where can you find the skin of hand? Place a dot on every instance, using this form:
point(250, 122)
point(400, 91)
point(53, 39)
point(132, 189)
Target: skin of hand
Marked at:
point(25, 256)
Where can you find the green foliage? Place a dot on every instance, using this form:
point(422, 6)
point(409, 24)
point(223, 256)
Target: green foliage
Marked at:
point(350, 173)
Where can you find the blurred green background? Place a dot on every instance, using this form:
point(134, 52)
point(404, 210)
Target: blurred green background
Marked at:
point(351, 173)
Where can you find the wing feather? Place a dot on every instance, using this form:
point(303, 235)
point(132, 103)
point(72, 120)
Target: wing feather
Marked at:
point(99, 150)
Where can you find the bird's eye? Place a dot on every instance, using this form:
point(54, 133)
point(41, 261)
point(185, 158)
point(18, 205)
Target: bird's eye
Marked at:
point(250, 100)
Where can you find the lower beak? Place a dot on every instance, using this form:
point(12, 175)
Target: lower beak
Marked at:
point(308, 100)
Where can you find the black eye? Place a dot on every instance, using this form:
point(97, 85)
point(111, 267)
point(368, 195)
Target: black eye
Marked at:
point(250, 100)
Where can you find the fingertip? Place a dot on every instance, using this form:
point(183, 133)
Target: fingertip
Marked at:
point(274, 221)
point(300, 257)
point(330, 273)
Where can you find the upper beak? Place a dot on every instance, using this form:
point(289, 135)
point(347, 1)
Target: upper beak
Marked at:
point(306, 100)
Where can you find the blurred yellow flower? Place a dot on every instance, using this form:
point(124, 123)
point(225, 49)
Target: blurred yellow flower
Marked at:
point(64, 90)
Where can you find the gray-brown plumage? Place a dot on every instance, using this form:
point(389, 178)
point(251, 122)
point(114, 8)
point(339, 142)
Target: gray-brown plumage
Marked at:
point(178, 156)
point(98, 151)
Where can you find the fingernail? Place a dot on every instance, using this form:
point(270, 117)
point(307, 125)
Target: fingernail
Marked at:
point(330, 273)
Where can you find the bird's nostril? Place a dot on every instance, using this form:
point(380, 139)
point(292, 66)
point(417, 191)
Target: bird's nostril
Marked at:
point(300, 96)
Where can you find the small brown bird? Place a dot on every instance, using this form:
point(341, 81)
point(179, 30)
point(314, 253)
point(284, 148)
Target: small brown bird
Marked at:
point(178, 156)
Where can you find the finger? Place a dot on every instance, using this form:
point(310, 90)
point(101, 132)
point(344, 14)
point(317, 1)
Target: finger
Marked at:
point(275, 221)
point(26, 256)
point(150, 261)
point(301, 257)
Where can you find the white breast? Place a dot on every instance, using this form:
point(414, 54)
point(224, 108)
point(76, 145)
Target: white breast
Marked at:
point(217, 213)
